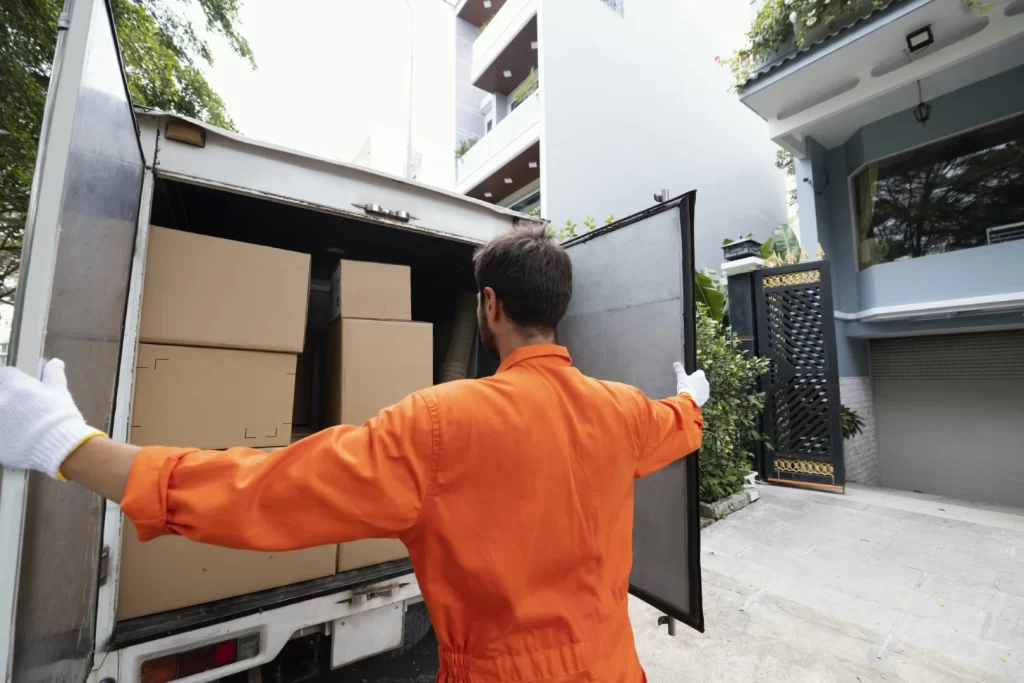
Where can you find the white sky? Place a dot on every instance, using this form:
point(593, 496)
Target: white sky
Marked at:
point(328, 69)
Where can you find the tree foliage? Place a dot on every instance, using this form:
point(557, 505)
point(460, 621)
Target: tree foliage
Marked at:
point(163, 52)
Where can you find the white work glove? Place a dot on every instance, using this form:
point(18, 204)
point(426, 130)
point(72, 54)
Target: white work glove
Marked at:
point(40, 425)
point(696, 385)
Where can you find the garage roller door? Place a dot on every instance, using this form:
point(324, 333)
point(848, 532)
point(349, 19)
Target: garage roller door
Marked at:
point(950, 414)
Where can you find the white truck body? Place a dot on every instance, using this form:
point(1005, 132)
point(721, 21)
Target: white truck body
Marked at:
point(87, 64)
point(99, 167)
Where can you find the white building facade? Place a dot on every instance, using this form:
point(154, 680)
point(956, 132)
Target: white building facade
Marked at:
point(590, 107)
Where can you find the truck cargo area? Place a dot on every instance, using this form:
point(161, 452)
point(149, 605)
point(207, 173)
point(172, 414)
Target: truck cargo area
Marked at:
point(441, 276)
point(442, 268)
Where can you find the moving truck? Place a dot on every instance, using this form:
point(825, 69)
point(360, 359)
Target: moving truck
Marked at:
point(123, 196)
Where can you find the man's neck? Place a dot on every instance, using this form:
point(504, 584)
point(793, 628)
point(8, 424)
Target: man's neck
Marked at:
point(505, 349)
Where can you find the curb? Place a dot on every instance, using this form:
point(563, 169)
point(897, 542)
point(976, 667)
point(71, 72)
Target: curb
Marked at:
point(722, 508)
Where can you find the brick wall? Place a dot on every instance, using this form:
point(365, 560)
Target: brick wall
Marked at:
point(861, 452)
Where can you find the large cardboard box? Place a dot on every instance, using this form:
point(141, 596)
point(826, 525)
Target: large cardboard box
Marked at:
point(171, 572)
point(372, 364)
point(205, 291)
point(369, 552)
point(212, 398)
point(379, 291)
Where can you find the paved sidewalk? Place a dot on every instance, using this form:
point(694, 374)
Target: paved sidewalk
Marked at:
point(872, 586)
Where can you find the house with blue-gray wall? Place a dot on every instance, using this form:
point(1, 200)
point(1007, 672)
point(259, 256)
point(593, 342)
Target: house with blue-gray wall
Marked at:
point(906, 122)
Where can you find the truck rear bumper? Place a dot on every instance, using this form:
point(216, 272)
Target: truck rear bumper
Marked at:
point(276, 615)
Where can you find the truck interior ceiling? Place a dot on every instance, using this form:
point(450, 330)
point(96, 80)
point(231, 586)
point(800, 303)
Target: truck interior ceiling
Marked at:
point(441, 268)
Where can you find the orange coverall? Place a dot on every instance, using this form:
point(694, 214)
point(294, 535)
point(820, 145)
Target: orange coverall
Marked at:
point(513, 494)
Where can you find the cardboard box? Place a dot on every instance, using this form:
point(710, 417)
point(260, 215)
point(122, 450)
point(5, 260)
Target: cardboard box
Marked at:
point(372, 364)
point(212, 398)
point(369, 552)
point(171, 572)
point(377, 291)
point(205, 291)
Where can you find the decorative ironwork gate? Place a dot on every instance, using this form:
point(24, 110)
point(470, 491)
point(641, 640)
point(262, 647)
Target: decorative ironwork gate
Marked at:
point(796, 332)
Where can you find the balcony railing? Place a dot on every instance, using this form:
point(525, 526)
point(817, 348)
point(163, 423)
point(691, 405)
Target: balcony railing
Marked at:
point(516, 132)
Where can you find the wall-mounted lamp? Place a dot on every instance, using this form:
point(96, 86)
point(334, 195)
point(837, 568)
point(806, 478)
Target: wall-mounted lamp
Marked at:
point(919, 40)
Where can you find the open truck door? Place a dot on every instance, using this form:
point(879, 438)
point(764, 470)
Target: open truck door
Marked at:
point(632, 315)
point(78, 250)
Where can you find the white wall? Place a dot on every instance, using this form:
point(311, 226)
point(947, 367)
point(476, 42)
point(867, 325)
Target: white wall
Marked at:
point(384, 150)
point(469, 122)
point(636, 104)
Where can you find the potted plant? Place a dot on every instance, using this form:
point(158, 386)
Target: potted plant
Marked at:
point(527, 88)
point(464, 147)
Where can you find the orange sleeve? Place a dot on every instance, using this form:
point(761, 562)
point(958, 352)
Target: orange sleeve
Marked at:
point(674, 426)
point(341, 484)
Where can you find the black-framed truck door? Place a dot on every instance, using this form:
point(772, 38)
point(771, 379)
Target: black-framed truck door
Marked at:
point(633, 315)
point(79, 241)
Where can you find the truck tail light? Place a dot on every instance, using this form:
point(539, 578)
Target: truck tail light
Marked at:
point(206, 658)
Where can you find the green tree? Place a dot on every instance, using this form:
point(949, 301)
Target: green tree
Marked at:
point(163, 53)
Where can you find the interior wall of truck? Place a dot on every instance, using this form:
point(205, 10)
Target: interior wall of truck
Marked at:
point(441, 268)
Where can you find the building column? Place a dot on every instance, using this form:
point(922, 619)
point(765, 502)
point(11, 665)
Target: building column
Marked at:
point(740, 276)
point(743, 321)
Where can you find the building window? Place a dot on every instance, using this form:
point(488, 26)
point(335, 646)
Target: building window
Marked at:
point(616, 5)
point(963, 192)
point(529, 205)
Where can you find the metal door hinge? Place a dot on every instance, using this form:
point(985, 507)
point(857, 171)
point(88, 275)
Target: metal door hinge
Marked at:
point(104, 563)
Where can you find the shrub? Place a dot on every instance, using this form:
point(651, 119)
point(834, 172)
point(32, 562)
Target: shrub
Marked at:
point(732, 414)
point(851, 422)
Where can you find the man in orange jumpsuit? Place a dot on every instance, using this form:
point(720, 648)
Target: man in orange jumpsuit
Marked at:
point(513, 494)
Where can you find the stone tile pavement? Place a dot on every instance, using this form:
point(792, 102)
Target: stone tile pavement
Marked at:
point(872, 586)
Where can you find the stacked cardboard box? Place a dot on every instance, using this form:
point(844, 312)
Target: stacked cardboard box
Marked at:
point(222, 323)
point(376, 356)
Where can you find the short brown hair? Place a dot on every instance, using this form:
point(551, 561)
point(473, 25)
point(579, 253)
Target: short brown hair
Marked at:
point(531, 275)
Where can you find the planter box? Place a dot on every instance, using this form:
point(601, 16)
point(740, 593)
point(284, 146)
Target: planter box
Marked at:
point(821, 29)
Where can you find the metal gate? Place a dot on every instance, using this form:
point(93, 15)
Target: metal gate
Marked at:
point(796, 332)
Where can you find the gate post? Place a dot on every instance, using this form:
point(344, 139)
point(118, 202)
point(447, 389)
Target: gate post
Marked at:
point(740, 273)
point(742, 316)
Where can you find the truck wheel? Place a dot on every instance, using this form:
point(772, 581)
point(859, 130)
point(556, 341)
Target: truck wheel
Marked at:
point(417, 626)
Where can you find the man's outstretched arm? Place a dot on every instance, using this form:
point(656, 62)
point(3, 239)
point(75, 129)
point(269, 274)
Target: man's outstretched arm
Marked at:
point(101, 465)
point(341, 484)
point(673, 426)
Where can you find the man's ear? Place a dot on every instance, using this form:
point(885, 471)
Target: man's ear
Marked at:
point(492, 306)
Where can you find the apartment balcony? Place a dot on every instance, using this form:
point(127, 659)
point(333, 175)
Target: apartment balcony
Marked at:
point(507, 158)
point(880, 63)
point(506, 50)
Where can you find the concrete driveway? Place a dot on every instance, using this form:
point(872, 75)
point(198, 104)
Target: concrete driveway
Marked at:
point(872, 586)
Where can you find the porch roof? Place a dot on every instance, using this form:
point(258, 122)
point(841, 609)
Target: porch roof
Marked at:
point(864, 72)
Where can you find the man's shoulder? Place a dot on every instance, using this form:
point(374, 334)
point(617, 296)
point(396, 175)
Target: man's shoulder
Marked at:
point(455, 390)
point(617, 388)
